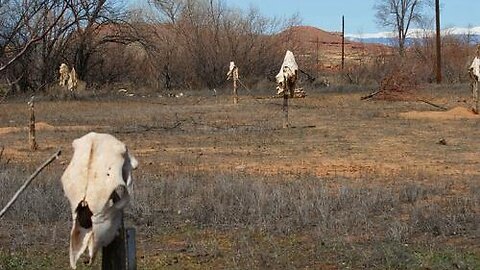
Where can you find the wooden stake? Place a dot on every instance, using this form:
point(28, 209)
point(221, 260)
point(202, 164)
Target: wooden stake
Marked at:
point(474, 84)
point(120, 254)
point(233, 73)
point(131, 249)
point(235, 78)
point(285, 109)
point(114, 255)
point(31, 130)
point(475, 96)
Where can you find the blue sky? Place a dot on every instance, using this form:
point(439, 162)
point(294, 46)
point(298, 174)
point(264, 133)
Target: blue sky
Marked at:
point(359, 14)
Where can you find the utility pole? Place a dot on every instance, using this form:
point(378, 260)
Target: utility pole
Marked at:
point(343, 42)
point(317, 50)
point(439, 50)
point(316, 56)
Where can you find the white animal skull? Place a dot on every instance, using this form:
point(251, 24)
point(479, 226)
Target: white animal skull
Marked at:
point(97, 183)
point(232, 72)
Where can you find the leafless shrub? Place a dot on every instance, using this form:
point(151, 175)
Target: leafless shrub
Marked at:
point(411, 193)
point(398, 231)
point(399, 84)
point(453, 217)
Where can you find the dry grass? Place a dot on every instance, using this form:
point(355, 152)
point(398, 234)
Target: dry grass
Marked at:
point(259, 218)
point(223, 186)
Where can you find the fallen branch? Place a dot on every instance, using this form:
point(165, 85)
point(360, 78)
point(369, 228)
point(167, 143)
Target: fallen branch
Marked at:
point(371, 95)
point(30, 179)
point(309, 126)
point(33, 41)
point(310, 77)
point(433, 104)
point(277, 96)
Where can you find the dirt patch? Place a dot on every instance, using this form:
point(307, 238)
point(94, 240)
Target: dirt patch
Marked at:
point(46, 126)
point(43, 126)
point(6, 130)
point(452, 114)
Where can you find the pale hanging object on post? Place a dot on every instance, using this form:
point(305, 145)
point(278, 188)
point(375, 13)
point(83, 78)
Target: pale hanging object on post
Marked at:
point(286, 81)
point(287, 76)
point(474, 72)
point(233, 74)
point(69, 80)
point(97, 183)
point(64, 74)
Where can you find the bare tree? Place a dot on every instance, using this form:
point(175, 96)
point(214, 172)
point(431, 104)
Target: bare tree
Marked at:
point(192, 42)
point(399, 15)
point(37, 35)
point(97, 22)
point(25, 24)
point(170, 9)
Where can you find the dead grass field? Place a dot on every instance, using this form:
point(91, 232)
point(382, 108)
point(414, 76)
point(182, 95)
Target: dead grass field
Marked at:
point(354, 184)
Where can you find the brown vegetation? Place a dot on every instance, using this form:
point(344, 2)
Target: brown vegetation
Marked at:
point(189, 45)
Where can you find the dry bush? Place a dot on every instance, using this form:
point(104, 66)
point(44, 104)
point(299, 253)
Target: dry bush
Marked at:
point(457, 52)
point(398, 77)
point(399, 84)
point(192, 47)
point(457, 55)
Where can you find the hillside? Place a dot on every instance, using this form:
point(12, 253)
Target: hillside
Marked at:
point(308, 41)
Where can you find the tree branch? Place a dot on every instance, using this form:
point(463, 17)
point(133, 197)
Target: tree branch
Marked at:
point(33, 41)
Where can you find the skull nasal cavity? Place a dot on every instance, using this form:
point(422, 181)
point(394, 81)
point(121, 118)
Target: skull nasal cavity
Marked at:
point(84, 215)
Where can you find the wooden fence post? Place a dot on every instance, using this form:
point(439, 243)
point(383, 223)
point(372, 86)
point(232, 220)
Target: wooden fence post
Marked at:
point(233, 73)
point(31, 127)
point(131, 249)
point(120, 253)
point(114, 255)
point(285, 108)
point(235, 78)
point(475, 96)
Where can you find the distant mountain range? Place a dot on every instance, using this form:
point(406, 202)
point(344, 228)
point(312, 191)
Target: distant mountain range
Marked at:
point(388, 38)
